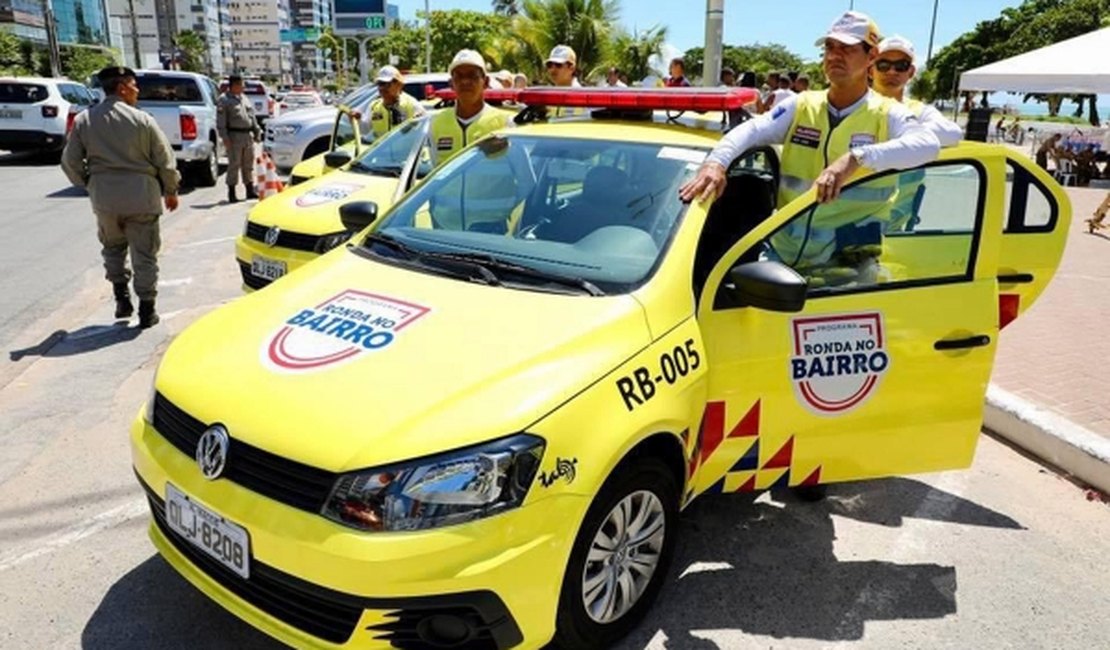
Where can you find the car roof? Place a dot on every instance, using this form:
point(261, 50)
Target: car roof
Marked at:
point(39, 80)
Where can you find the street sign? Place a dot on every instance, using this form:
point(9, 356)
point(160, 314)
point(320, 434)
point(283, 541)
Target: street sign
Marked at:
point(360, 18)
point(375, 22)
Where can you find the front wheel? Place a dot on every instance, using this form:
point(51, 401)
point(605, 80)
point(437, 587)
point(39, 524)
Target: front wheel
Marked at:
point(620, 557)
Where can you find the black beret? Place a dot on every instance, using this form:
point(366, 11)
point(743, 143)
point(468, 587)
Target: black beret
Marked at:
point(113, 72)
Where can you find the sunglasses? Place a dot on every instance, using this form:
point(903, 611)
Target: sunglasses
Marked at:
point(553, 64)
point(900, 66)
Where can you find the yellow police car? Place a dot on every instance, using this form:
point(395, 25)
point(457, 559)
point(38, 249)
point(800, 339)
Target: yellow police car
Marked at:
point(475, 425)
point(295, 226)
point(346, 135)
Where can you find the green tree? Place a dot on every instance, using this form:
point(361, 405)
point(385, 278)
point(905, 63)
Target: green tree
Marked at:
point(585, 25)
point(12, 59)
point(759, 58)
point(631, 52)
point(194, 50)
point(405, 40)
point(458, 29)
point(78, 63)
point(332, 46)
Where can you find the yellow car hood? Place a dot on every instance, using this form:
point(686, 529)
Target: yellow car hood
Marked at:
point(450, 363)
point(312, 207)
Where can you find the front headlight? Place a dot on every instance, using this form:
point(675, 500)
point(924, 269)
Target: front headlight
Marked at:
point(285, 130)
point(442, 490)
point(328, 242)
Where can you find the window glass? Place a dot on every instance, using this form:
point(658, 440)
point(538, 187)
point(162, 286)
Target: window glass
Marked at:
point(1028, 205)
point(177, 90)
point(387, 157)
point(602, 211)
point(912, 226)
point(73, 94)
point(22, 93)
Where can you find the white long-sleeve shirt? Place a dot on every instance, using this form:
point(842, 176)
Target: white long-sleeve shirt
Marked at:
point(947, 131)
point(910, 143)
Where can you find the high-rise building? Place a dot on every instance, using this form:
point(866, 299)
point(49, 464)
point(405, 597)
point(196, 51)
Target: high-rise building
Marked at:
point(256, 27)
point(78, 21)
point(132, 17)
point(199, 16)
point(309, 62)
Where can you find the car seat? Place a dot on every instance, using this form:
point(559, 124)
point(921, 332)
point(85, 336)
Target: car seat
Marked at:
point(606, 192)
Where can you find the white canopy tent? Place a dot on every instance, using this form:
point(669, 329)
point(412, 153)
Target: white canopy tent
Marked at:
point(1075, 66)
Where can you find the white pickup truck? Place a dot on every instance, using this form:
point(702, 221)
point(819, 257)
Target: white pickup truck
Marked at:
point(184, 105)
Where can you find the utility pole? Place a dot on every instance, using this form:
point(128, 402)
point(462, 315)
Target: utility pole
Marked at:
point(134, 33)
point(714, 33)
point(428, 36)
point(52, 39)
point(932, 31)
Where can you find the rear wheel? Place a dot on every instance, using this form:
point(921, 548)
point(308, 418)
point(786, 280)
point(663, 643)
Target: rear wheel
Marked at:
point(620, 557)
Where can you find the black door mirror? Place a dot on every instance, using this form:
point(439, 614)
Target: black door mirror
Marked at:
point(336, 159)
point(356, 215)
point(768, 285)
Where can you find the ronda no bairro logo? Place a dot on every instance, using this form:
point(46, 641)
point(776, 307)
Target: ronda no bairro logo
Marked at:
point(838, 361)
point(343, 327)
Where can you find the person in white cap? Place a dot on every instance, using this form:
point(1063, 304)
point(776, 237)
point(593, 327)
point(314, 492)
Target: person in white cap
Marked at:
point(393, 106)
point(827, 134)
point(893, 69)
point(471, 119)
point(562, 66)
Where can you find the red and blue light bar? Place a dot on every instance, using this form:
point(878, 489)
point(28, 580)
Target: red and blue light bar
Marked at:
point(656, 99)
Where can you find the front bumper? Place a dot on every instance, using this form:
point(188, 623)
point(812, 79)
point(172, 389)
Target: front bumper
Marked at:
point(284, 154)
point(246, 249)
point(315, 583)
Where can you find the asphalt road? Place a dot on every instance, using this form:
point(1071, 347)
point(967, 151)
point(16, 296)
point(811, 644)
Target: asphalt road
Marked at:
point(1005, 554)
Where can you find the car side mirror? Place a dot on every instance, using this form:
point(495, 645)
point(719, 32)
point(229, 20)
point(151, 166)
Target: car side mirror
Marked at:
point(768, 285)
point(368, 138)
point(356, 215)
point(336, 159)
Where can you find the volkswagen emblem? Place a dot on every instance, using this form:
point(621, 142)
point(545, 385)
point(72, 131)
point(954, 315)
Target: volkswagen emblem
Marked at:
point(212, 452)
point(272, 235)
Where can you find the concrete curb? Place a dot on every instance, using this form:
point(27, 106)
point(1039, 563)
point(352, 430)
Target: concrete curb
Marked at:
point(1051, 437)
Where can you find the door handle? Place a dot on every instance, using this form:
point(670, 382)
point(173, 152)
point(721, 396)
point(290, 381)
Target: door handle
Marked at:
point(959, 344)
point(1015, 278)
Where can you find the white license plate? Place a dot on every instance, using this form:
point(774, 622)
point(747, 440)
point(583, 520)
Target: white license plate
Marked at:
point(11, 114)
point(258, 106)
point(225, 542)
point(262, 267)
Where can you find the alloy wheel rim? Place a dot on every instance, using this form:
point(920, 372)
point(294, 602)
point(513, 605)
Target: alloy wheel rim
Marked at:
point(623, 556)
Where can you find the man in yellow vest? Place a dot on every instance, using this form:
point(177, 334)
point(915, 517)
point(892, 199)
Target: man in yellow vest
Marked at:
point(562, 70)
point(393, 106)
point(827, 136)
point(892, 71)
point(471, 119)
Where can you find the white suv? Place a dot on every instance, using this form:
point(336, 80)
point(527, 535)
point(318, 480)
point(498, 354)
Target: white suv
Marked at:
point(36, 114)
point(306, 133)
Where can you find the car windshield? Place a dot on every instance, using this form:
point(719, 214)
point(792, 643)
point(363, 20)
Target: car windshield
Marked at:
point(388, 155)
point(556, 214)
point(178, 90)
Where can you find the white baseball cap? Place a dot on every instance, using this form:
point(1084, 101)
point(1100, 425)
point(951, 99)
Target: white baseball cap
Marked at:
point(562, 54)
point(851, 28)
point(389, 74)
point(467, 57)
point(897, 43)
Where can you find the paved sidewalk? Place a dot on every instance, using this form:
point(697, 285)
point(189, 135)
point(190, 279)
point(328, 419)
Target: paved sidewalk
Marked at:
point(1056, 357)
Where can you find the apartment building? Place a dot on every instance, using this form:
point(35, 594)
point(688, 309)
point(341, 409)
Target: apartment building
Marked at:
point(78, 21)
point(256, 38)
point(310, 63)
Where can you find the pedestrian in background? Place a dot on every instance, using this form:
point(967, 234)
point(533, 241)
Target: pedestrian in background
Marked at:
point(520, 80)
point(238, 129)
point(393, 106)
point(561, 65)
point(613, 78)
point(678, 74)
point(801, 84)
point(728, 77)
point(125, 161)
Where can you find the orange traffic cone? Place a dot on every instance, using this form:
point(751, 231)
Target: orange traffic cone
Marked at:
point(266, 180)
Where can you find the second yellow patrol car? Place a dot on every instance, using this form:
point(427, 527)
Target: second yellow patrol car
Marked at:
point(475, 425)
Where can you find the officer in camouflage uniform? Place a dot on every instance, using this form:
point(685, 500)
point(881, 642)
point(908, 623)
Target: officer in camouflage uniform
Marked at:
point(125, 161)
point(239, 130)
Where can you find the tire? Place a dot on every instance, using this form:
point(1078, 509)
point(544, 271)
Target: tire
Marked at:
point(206, 172)
point(636, 483)
point(317, 147)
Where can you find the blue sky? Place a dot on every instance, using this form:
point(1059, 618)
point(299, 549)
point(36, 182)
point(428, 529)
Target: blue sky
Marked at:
point(794, 23)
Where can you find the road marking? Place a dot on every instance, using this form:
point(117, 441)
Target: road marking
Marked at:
point(175, 283)
point(206, 242)
point(171, 314)
point(65, 537)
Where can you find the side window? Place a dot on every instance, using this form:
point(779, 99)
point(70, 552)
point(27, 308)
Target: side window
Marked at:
point(72, 94)
point(906, 228)
point(344, 132)
point(1028, 205)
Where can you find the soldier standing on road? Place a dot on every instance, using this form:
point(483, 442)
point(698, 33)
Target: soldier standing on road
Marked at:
point(393, 106)
point(239, 130)
point(125, 161)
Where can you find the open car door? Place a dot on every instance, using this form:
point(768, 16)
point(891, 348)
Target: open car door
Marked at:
point(879, 366)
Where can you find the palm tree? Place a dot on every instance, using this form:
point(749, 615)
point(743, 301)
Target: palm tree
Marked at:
point(631, 53)
point(585, 25)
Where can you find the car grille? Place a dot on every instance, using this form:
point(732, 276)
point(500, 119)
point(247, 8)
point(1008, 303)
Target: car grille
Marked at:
point(323, 613)
point(294, 240)
point(287, 481)
point(250, 279)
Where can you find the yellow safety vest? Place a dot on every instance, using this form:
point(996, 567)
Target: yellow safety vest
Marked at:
point(380, 121)
point(910, 185)
point(810, 146)
point(449, 137)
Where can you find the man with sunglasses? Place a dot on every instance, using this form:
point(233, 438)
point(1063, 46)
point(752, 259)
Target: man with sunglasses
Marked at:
point(562, 65)
point(828, 134)
point(393, 106)
point(471, 118)
point(894, 69)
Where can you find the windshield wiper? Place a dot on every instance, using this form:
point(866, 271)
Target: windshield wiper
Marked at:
point(489, 262)
point(421, 258)
point(390, 171)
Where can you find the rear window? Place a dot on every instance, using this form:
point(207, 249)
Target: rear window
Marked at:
point(169, 89)
point(22, 93)
point(248, 88)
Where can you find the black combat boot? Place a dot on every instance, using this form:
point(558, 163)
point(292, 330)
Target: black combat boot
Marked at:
point(251, 194)
point(124, 308)
point(147, 316)
point(231, 198)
